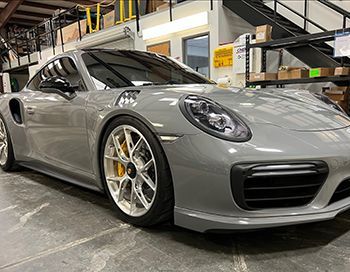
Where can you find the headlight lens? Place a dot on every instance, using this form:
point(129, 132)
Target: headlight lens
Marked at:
point(329, 102)
point(214, 119)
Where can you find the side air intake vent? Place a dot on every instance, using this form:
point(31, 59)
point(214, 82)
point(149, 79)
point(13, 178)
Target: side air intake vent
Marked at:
point(15, 109)
point(277, 185)
point(127, 97)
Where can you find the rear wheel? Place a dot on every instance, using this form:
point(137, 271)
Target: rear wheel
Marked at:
point(136, 174)
point(7, 159)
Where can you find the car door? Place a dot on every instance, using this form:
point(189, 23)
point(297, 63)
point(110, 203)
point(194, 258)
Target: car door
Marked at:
point(56, 125)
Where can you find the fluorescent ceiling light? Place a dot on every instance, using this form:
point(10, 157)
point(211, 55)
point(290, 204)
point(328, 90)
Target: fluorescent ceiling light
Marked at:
point(182, 24)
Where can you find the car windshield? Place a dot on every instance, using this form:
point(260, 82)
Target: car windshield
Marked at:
point(114, 69)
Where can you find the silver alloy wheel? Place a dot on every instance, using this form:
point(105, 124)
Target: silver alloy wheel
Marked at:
point(130, 170)
point(3, 143)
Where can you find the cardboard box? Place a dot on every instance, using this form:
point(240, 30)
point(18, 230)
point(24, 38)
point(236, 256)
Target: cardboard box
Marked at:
point(282, 75)
point(342, 71)
point(153, 5)
point(109, 19)
point(262, 76)
point(321, 72)
point(293, 74)
point(263, 33)
point(299, 73)
point(163, 6)
point(339, 89)
point(338, 97)
point(338, 93)
point(71, 32)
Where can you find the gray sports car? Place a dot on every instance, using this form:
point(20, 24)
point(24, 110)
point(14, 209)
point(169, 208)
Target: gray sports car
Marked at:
point(166, 144)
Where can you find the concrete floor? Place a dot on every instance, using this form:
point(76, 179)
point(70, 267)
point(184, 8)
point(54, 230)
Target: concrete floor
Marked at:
point(49, 225)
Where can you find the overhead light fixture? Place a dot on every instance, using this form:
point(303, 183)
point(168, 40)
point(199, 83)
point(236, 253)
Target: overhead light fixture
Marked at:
point(189, 22)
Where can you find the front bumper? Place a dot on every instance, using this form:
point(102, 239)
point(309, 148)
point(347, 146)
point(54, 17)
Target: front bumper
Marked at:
point(204, 222)
point(201, 166)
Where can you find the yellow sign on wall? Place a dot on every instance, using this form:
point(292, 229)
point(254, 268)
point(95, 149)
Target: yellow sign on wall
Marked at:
point(223, 56)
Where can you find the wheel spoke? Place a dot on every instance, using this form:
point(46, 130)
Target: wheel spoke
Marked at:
point(121, 155)
point(147, 165)
point(132, 198)
point(136, 146)
point(129, 141)
point(116, 159)
point(148, 180)
point(139, 194)
point(121, 189)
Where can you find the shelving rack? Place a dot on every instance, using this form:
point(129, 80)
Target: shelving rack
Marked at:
point(290, 42)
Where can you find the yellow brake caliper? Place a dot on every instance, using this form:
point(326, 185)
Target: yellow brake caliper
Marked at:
point(120, 167)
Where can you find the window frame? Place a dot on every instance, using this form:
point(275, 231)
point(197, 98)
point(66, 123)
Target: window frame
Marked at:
point(184, 49)
point(52, 61)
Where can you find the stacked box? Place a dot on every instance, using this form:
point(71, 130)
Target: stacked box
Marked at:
point(321, 72)
point(342, 71)
point(293, 73)
point(262, 76)
point(109, 19)
point(340, 95)
point(263, 33)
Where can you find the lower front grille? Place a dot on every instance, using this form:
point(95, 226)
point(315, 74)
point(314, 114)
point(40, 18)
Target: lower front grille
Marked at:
point(342, 191)
point(277, 185)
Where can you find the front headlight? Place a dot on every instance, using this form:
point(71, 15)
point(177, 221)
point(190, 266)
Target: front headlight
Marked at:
point(214, 119)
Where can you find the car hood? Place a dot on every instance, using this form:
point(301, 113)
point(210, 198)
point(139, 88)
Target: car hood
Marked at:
point(287, 108)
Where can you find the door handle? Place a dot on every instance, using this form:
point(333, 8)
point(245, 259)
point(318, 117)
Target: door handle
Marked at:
point(30, 110)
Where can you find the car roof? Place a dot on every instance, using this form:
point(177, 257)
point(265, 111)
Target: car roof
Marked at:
point(81, 51)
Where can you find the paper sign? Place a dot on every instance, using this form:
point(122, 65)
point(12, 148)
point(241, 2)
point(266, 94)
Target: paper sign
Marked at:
point(223, 56)
point(342, 45)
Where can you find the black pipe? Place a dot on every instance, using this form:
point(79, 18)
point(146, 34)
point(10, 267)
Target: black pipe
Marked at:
point(306, 11)
point(137, 16)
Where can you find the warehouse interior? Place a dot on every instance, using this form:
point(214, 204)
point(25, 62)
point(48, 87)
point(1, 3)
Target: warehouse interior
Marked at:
point(50, 224)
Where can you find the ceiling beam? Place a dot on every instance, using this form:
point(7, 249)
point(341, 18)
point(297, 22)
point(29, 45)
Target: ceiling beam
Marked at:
point(30, 13)
point(19, 17)
point(20, 21)
point(41, 5)
point(82, 2)
point(8, 11)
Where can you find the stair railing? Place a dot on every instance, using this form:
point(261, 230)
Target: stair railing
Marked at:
point(327, 3)
point(306, 19)
point(346, 14)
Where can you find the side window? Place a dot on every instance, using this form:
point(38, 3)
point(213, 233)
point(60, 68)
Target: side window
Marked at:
point(63, 67)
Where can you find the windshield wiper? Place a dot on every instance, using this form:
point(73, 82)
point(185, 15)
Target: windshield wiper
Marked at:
point(169, 82)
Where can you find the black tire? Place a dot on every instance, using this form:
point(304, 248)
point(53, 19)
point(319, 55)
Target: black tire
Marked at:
point(163, 205)
point(10, 164)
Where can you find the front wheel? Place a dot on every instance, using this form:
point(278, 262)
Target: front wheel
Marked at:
point(7, 158)
point(136, 174)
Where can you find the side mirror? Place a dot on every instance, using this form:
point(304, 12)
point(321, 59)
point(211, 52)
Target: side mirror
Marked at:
point(57, 84)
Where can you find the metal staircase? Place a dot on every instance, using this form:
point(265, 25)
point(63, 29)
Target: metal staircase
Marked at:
point(257, 13)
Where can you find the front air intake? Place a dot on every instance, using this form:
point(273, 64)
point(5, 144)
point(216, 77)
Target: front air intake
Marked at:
point(342, 191)
point(277, 185)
